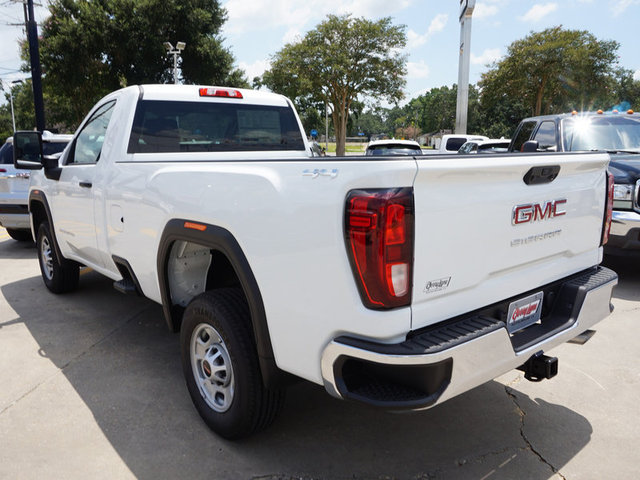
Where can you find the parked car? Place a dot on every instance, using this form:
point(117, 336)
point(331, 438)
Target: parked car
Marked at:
point(451, 143)
point(613, 132)
point(393, 147)
point(485, 146)
point(14, 186)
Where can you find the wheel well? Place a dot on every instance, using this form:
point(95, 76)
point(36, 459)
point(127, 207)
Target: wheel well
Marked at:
point(216, 260)
point(38, 215)
point(193, 268)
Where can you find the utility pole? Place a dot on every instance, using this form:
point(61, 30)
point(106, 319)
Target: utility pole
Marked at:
point(462, 106)
point(36, 72)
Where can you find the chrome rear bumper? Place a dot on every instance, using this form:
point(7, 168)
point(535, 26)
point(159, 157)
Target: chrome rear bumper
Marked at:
point(454, 357)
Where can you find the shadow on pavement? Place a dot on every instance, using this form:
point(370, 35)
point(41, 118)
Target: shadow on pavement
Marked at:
point(119, 356)
point(628, 270)
point(17, 250)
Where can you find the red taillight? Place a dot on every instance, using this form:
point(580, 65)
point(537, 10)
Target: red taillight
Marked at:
point(220, 92)
point(379, 235)
point(3, 170)
point(606, 226)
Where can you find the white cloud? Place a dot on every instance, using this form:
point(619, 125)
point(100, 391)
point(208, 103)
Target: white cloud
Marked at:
point(490, 55)
point(417, 70)
point(437, 25)
point(245, 16)
point(483, 10)
point(538, 12)
point(254, 69)
point(293, 35)
point(365, 8)
point(619, 6)
point(636, 75)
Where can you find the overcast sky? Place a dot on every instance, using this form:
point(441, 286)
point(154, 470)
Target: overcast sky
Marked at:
point(256, 29)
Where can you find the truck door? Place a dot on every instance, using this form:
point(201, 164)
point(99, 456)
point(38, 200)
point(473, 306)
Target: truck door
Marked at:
point(75, 218)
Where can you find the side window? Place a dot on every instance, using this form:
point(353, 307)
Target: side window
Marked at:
point(546, 136)
point(454, 143)
point(523, 135)
point(88, 143)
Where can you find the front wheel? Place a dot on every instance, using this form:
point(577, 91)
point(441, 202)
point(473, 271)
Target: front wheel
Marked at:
point(220, 365)
point(59, 274)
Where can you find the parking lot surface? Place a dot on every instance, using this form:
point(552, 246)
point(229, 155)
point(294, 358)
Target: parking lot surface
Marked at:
point(91, 387)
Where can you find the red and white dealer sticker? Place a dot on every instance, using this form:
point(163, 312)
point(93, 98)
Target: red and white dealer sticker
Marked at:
point(524, 312)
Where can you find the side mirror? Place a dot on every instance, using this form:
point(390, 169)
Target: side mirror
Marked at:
point(529, 146)
point(27, 150)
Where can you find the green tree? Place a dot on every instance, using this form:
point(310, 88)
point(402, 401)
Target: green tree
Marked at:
point(339, 61)
point(552, 71)
point(625, 91)
point(89, 48)
point(372, 121)
point(435, 110)
point(23, 109)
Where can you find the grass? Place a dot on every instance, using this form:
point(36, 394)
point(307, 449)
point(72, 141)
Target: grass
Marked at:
point(349, 147)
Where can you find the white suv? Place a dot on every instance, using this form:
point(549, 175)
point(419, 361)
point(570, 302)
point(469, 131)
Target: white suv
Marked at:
point(14, 186)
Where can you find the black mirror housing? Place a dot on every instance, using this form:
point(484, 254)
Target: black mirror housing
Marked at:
point(530, 146)
point(27, 150)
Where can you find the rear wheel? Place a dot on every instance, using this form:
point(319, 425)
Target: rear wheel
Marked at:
point(20, 235)
point(59, 274)
point(220, 365)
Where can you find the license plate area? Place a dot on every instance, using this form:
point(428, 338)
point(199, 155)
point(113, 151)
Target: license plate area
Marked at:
point(524, 312)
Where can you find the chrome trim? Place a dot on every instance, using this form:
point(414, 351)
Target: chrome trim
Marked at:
point(622, 221)
point(479, 360)
point(25, 176)
point(635, 197)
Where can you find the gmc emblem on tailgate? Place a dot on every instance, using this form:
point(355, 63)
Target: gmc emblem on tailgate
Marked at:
point(535, 212)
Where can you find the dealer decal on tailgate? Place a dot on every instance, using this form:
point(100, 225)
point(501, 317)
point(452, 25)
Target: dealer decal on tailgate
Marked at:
point(524, 312)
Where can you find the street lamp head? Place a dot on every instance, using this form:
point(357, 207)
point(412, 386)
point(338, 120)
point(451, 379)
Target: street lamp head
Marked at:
point(180, 45)
point(168, 46)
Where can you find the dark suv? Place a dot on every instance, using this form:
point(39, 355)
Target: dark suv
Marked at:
point(613, 132)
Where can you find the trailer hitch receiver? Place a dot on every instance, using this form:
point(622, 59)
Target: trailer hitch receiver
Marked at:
point(539, 367)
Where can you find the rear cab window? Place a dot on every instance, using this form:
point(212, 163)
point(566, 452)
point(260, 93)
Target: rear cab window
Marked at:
point(546, 135)
point(454, 143)
point(182, 126)
point(523, 135)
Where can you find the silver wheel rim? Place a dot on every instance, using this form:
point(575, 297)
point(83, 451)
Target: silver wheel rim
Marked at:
point(211, 366)
point(46, 258)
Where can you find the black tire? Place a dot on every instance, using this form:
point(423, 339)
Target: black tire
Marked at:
point(20, 235)
point(219, 321)
point(59, 274)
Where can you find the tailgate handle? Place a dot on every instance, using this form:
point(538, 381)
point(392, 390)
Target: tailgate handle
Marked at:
point(541, 175)
point(86, 184)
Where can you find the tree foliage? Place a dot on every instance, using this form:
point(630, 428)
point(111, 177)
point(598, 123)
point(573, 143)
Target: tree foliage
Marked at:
point(89, 48)
point(339, 61)
point(23, 109)
point(552, 71)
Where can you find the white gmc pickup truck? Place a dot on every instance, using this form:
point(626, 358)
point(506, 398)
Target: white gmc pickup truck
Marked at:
point(395, 281)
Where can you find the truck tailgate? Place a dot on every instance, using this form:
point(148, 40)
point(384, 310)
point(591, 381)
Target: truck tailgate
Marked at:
point(469, 250)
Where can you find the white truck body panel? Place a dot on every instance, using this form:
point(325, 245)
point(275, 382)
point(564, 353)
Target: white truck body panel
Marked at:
point(287, 212)
point(465, 205)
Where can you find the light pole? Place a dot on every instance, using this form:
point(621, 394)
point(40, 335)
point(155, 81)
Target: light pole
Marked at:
point(13, 115)
point(175, 52)
point(462, 106)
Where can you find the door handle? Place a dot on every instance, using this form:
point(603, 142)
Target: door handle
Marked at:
point(86, 184)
